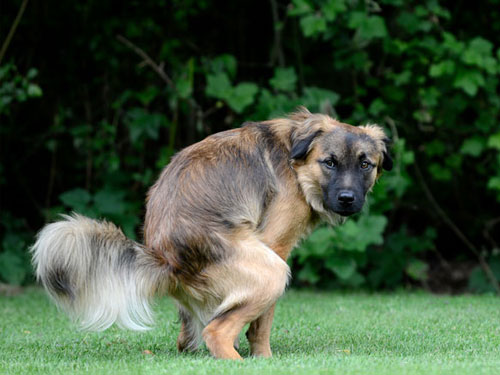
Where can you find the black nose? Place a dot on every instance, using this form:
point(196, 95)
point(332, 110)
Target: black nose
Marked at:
point(346, 197)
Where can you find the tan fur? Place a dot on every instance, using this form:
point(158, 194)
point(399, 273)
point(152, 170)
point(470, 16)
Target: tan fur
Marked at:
point(221, 220)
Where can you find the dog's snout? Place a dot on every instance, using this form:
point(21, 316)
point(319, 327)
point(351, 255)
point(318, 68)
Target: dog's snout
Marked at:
point(346, 197)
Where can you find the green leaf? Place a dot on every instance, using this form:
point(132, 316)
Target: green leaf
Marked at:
point(435, 147)
point(224, 63)
point(494, 141)
point(284, 79)
point(357, 236)
point(32, 73)
point(184, 87)
point(469, 81)
point(242, 96)
point(319, 242)
point(143, 124)
point(476, 52)
point(317, 99)
point(218, 86)
point(494, 183)
point(110, 202)
point(12, 268)
point(473, 146)
point(300, 7)
point(439, 172)
point(34, 91)
point(331, 8)
point(372, 27)
point(343, 266)
point(446, 67)
point(376, 107)
point(309, 273)
point(147, 95)
point(417, 269)
point(312, 25)
point(76, 199)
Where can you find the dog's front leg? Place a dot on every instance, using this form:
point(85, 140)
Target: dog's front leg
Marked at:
point(259, 334)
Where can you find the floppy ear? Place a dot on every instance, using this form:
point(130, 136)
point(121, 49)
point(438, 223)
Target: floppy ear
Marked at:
point(300, 147)
point(387, 162)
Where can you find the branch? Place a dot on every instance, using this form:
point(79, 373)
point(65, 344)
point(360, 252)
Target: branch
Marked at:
point(278, 49)
point(147, 60)
point(13, 29)
point(482, 262)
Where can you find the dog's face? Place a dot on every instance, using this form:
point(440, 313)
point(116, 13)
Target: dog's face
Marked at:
point(337, 164)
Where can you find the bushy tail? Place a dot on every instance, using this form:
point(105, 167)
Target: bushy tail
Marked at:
point(96, 274)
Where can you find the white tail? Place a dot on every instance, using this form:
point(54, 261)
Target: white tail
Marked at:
point(95, 273)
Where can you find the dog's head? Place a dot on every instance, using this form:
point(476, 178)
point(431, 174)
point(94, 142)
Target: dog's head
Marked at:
point(336, 164)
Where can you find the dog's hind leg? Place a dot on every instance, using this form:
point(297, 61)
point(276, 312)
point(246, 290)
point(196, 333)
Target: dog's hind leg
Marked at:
point(259, 334)
point(190, 334)
point(250, 282)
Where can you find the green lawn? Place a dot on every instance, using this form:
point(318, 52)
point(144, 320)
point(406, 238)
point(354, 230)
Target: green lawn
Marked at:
point(314, 333)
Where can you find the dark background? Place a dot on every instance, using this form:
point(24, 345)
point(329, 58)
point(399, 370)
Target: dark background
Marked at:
point(88, 119)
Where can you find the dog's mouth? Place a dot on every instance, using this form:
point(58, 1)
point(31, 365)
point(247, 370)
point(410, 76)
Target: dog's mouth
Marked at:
point(345, 213)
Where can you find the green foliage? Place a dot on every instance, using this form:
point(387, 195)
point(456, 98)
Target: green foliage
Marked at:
point(103, 127)
point(15, 87)
point(14, 260)
point(478, 281)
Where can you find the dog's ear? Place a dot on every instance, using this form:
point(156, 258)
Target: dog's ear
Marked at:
point(387, 162)
point(301, 146)
point(378, 135)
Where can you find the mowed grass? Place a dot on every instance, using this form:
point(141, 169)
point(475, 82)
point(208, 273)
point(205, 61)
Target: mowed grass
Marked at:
point(313, 333)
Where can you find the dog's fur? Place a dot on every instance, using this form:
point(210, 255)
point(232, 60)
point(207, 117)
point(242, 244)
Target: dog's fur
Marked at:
point(220, 223)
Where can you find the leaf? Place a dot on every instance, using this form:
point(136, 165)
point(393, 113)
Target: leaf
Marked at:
point(377, 107)
point(300, 7)
point(224, 63)
point(184, 87)
point(218, 86)
point(242, 96)
point(446, 67)
point(343, 266)
point(331, 8)
point(318, 99)
point(372, 27)
point(142, 123)
point(12, 268)
point(312, 25)
point(357, 236)
point(477, 51)
point(147, 95)
point(494, 183)
point(417, 269)
point(110, 202)
point(439, 172)
point(473, 146)
point(494, 141)
point(435, 147)
point(309, 273)
point(318, 243)
point(284, 79)
point(34, 91)
point(32, 73)
point(469, 81)
point(76, 199)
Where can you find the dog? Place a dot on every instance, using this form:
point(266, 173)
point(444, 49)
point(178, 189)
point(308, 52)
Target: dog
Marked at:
point(220, 222)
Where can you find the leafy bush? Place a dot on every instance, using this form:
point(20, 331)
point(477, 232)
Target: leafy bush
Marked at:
point(159, 76)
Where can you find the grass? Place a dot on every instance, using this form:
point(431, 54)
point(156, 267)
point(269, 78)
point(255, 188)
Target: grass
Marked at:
point(313, 333)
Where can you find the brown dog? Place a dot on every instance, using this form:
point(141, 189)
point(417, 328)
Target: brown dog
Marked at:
point(220, 222)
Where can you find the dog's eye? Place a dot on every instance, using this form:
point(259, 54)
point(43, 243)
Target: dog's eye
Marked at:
point(365, 165)
point(330, 163)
